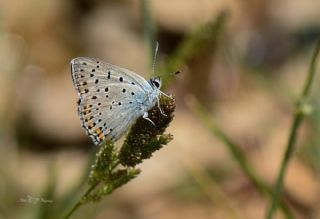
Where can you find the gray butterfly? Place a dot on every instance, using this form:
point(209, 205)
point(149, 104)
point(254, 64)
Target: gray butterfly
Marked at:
point(111, 98)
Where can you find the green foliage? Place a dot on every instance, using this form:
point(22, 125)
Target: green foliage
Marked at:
point(202, 40)
point(110, 182)
point(145, 138)
point(237, 154)
point(102, 167)
point(302, 109)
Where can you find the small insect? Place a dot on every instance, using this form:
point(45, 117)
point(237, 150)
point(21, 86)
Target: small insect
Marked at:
point(111, 98)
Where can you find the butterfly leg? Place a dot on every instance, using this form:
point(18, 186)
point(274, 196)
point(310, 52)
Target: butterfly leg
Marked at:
point(145, 116)
point(161, 111)
point(166, 95)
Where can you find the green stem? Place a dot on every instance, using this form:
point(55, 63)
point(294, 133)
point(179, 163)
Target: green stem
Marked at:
point(236, 153)
point(89, 190)
point(311, 72)
point(115, 165)
point(80, 202)
point(298, 118)
point(149, 29)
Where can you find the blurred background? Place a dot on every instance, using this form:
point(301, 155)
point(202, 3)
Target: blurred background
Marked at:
point(244, 62)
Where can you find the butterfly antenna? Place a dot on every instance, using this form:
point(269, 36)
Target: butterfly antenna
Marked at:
point(154, 58)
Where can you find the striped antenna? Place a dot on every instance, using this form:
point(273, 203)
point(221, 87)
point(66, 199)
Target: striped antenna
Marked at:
point(154, 58)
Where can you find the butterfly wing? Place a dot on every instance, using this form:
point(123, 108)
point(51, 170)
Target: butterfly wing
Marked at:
point(110, 97)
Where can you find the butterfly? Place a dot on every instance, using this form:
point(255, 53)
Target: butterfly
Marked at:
point(111, 98)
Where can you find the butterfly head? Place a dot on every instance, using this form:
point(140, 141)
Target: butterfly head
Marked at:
point(155, 82)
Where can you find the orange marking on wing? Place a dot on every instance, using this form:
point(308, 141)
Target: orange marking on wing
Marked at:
point(99, 134)
point(98, 131)
point(86, 111)
point(88, 118)
point(90, 125)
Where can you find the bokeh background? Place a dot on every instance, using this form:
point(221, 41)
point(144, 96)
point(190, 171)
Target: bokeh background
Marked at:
point(244, 62)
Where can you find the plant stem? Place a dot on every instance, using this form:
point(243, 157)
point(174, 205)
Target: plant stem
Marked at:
point(80, 202)
point(149, 29)
point(211, 188)
point(298, 118)
point(89, 190)
point(236, 153)
point(115, 165)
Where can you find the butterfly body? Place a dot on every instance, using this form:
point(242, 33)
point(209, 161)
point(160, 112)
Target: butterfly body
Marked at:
point(111, 98)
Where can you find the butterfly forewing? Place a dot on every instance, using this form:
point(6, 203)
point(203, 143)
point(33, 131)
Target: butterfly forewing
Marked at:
point(110, 97)
point(91, 70)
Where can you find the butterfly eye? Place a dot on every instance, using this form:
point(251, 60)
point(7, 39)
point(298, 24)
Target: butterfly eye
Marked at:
point(156, 82)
